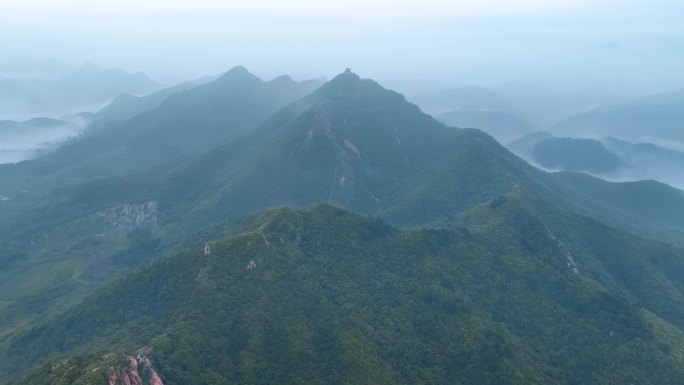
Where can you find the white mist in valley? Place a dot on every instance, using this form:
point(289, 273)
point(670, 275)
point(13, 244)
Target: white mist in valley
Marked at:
point(25, 140)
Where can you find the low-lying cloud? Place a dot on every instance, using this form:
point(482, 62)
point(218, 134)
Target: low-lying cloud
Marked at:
point(21, 141)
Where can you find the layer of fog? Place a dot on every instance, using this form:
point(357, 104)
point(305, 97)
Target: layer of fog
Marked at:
point(638, 167)
point(20, 112)
point(26, 140)
point(668, 174)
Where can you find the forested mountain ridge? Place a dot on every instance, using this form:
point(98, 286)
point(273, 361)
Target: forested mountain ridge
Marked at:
point(326, 296)
point(356, 145)
point(350, 143)
point(185, 121)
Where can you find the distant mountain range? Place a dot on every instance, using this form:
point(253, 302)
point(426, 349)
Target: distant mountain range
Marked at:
point(472, 266)
point(573, 154)
point(39, 136)
point(635, 140)
point(655, 119)
point(54, 89)
point(650, 161)
point(541, 106)
point(476, 107)
point(463, 99)
point(609, 158)
point(503, 126)
point(546, 107)
point(135, 132)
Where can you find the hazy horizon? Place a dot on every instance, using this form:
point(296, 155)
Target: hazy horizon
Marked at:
point(634, 47)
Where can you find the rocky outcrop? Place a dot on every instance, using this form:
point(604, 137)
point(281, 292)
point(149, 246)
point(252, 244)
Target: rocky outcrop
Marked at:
point(136, 371)
point(131, 216)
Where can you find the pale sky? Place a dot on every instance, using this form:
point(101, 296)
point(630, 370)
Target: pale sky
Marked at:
point(626, 43)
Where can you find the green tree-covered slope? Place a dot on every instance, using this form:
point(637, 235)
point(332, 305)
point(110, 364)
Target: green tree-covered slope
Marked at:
point(575, 154)
point(351, 143)
point(326, 296)
point(185, 121)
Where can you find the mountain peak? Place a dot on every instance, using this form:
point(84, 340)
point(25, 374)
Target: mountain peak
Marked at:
point(349, 84)
point(238, 69)
point(348, 75)
point(283, 80)
point(238, 73)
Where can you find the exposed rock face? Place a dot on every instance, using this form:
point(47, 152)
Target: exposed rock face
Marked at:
point(131, 216)
point(137, 371)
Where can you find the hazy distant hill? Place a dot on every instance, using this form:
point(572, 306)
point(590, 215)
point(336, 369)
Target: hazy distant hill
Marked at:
point(476, 107)
point(504, 126)
point(21, 141)
point(127, 106)
point(523, 146)
point(567, 154)
point(654, 118)
point(419, 86)
point(610, 158)
point(573, 154)
point(647, 199)
point(545, 106)
point(463, 99)
point(67, 91)
point(173, 122)
point(649, 161)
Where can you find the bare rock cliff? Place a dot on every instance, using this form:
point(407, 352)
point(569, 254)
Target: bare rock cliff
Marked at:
point(136, 371)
